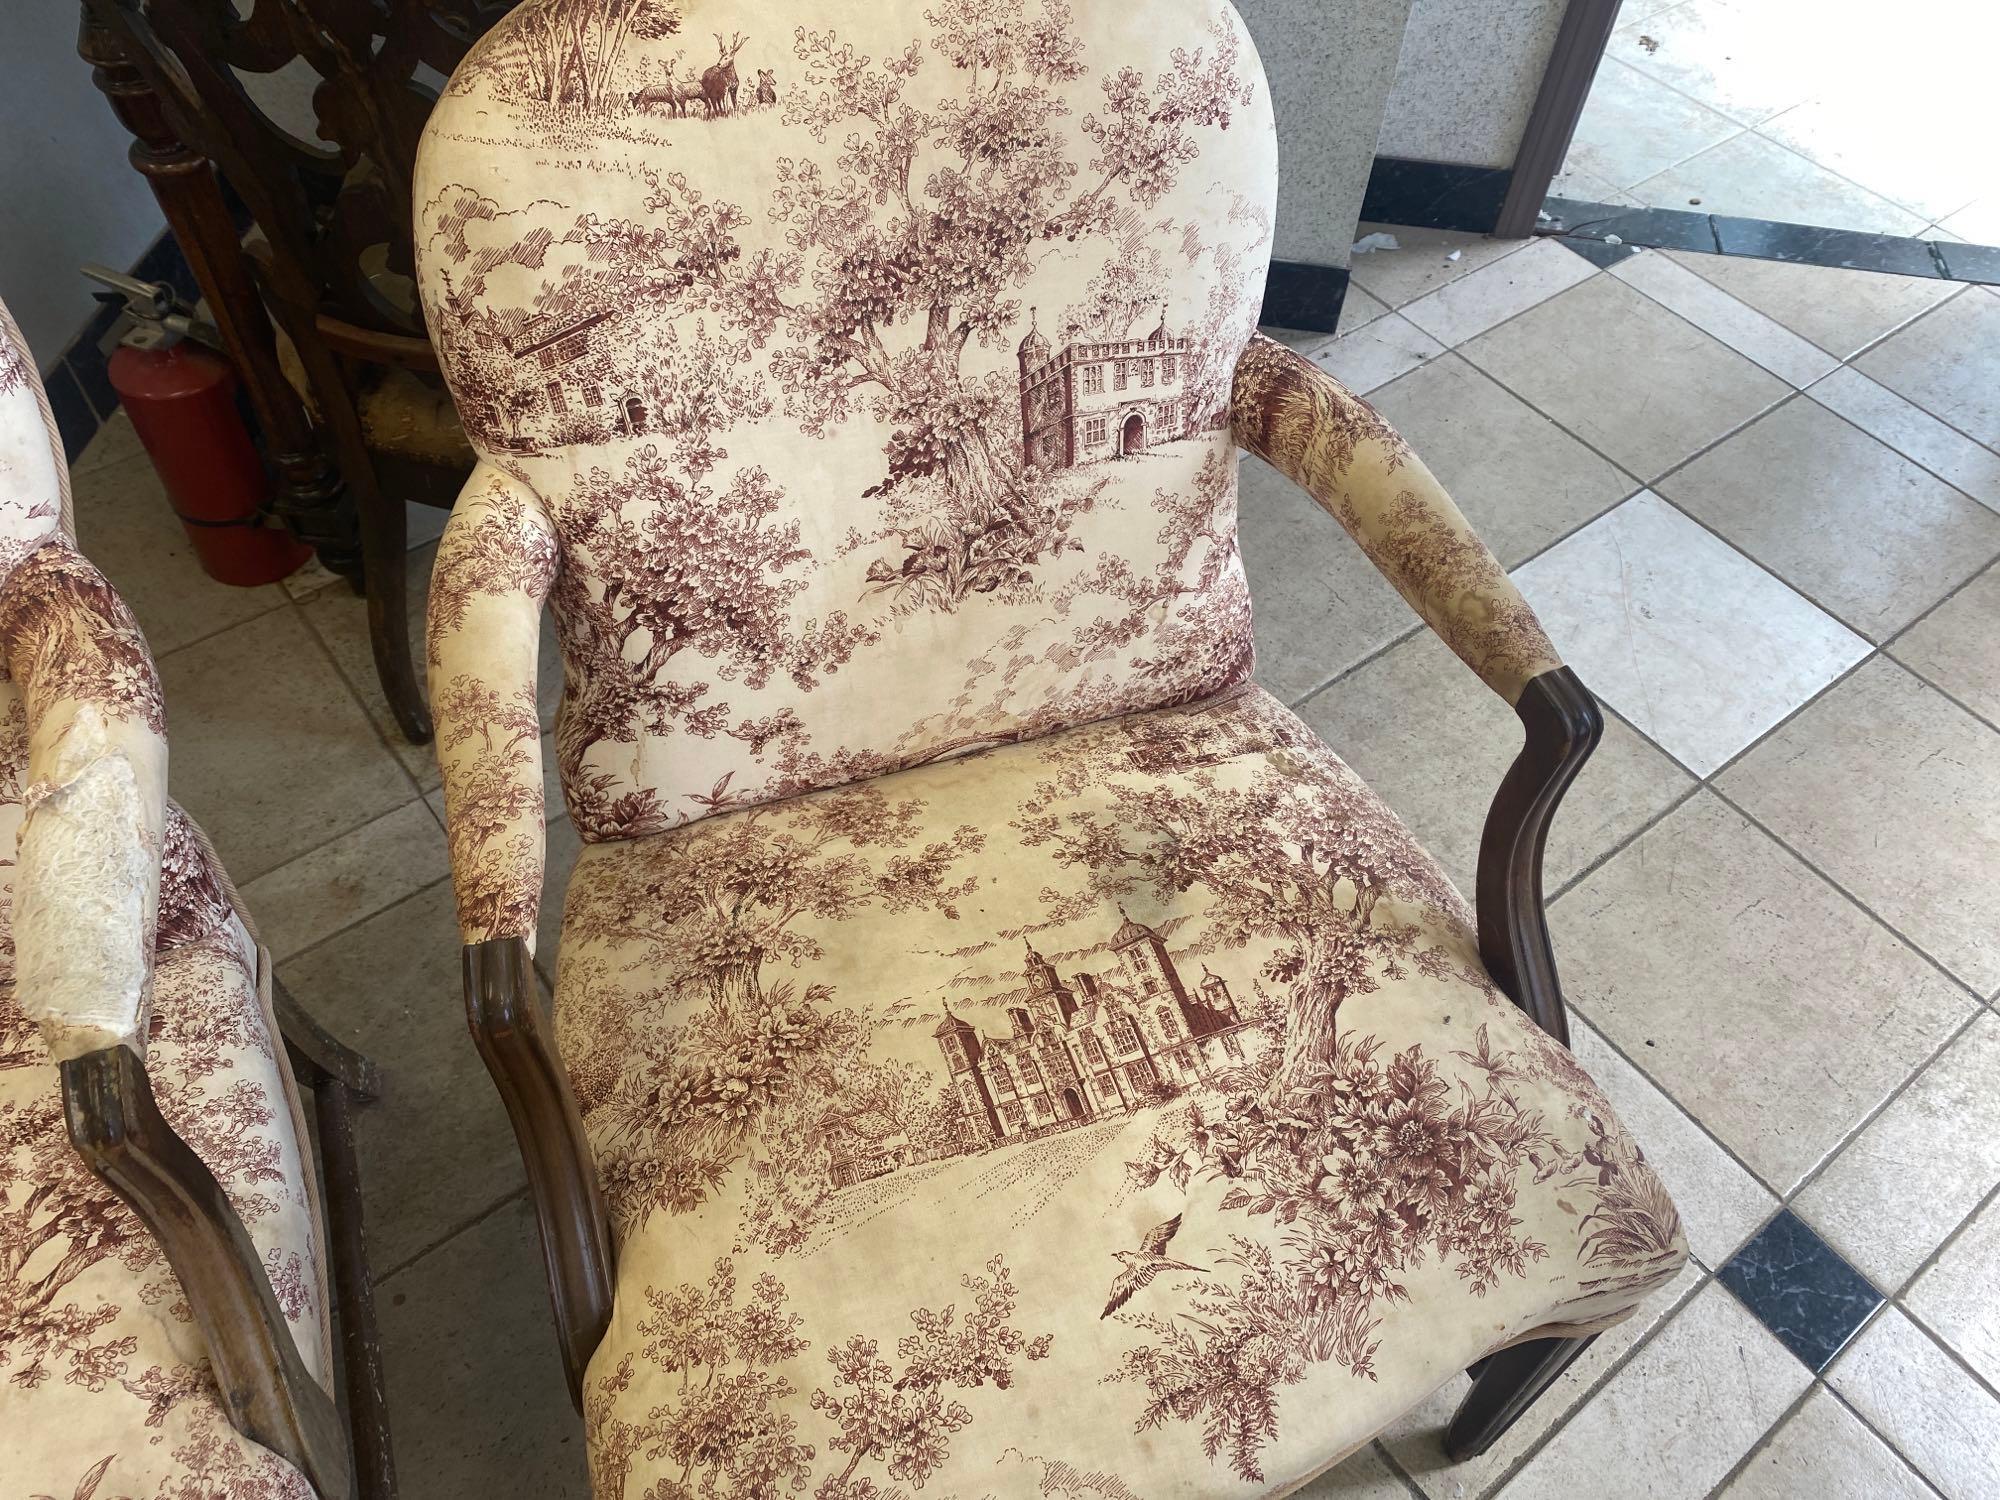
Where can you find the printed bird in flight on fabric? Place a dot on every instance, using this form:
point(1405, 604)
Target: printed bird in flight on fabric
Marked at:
point(1145, 1264)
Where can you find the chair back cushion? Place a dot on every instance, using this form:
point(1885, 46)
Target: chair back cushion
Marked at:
point(871, 361)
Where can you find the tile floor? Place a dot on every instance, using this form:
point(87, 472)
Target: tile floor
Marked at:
point(1759, 507)
point(1804, 111)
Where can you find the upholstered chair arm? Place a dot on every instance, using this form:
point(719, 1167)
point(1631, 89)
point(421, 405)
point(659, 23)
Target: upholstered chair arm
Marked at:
point(86, 907)
point(87, 873)
point(1316, 432)
point(1312, 429)
point(495, 566)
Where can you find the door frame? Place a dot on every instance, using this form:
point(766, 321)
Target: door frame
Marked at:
point(1582, 36)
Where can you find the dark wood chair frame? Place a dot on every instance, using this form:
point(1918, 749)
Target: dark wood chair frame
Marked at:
point(171, 70)
point(1562, 725)
point(117, 1128)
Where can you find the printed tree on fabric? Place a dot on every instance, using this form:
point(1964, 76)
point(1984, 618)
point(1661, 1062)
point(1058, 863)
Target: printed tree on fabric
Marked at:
point(878, 313)
point(1372, 1162)
point(566, 53)
point(731, 1434)
point(760, 1068)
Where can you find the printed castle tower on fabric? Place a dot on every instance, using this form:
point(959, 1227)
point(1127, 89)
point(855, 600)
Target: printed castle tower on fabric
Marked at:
point(1107, 1046)
point(784, 331)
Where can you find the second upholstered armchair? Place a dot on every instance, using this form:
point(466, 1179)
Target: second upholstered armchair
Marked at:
point(167, 1250)
point(994, 1042)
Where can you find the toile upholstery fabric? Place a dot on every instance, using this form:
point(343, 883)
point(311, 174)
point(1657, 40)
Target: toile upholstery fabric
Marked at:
point(1019, 1058)
point(118, 927)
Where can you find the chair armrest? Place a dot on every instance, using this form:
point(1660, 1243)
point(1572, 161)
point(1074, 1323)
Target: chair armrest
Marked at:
point(117, 1128)
point(1314, 431)
point(495, 566)
point(87, 877)
point(1563, 725)
point(503, 1008)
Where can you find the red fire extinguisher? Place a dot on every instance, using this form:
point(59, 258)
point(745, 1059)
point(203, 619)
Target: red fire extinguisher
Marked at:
point(182, 401)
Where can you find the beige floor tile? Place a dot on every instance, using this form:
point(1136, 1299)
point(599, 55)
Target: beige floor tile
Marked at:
point(1496, 292)
point(1633, 127)
point(1937, 1416)
point(341, 619)
point(126, 525)
point(478, 1407)
point(1417, 1438)
point(1749, 989)
point(1691, 642)
point(1868, 535)
point(1752, 177)
point(436, 1149)
point(1957, 645)
point(1375, 353)
point(1979, 222)
point(1721, 1204)
point(1678, 1417)
point(1955, 1296)
point(1430, 738)
point(1587, 187)
point(1640, 385)
point(1358, 309)
point(1422, 261)
point(1907, 1181)
point(354, 876)
point(1839, 309)
point(1742, 61)
point(270, 750)
point(310, 579)
point(114, 442)
point(1365, 1476)
point(1948, 362)
point(1894, 791)
point(1520, 479)
point(1320, 606)
point(1887, 148)
point(1305, 340)
point(1913, 432)
point(1714, 311)
point(1825, 1452)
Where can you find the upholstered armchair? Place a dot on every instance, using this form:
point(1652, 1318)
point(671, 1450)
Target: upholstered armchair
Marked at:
point(996, 1049)
point(166, 1248)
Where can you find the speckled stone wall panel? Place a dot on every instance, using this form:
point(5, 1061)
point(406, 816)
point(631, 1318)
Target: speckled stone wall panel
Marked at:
point(1331, 63)
point(1467, 79)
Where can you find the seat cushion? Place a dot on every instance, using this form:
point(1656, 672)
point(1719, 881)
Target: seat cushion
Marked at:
point(104, 1380)
point(1127, 1103)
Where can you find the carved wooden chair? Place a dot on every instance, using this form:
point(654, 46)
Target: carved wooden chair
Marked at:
point(331, 251)
point(996, 1048)
point(166, 1249)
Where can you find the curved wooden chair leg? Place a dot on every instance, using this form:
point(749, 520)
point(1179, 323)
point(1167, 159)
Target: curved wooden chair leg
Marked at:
point(323, 1053)
point(1503, 1386)
point(354, 1294)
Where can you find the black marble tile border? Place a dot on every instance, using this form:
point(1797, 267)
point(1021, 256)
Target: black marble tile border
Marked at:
point(1435, 194)
point(1797, 1286)
point(1298, 294)
point(1767, 239)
